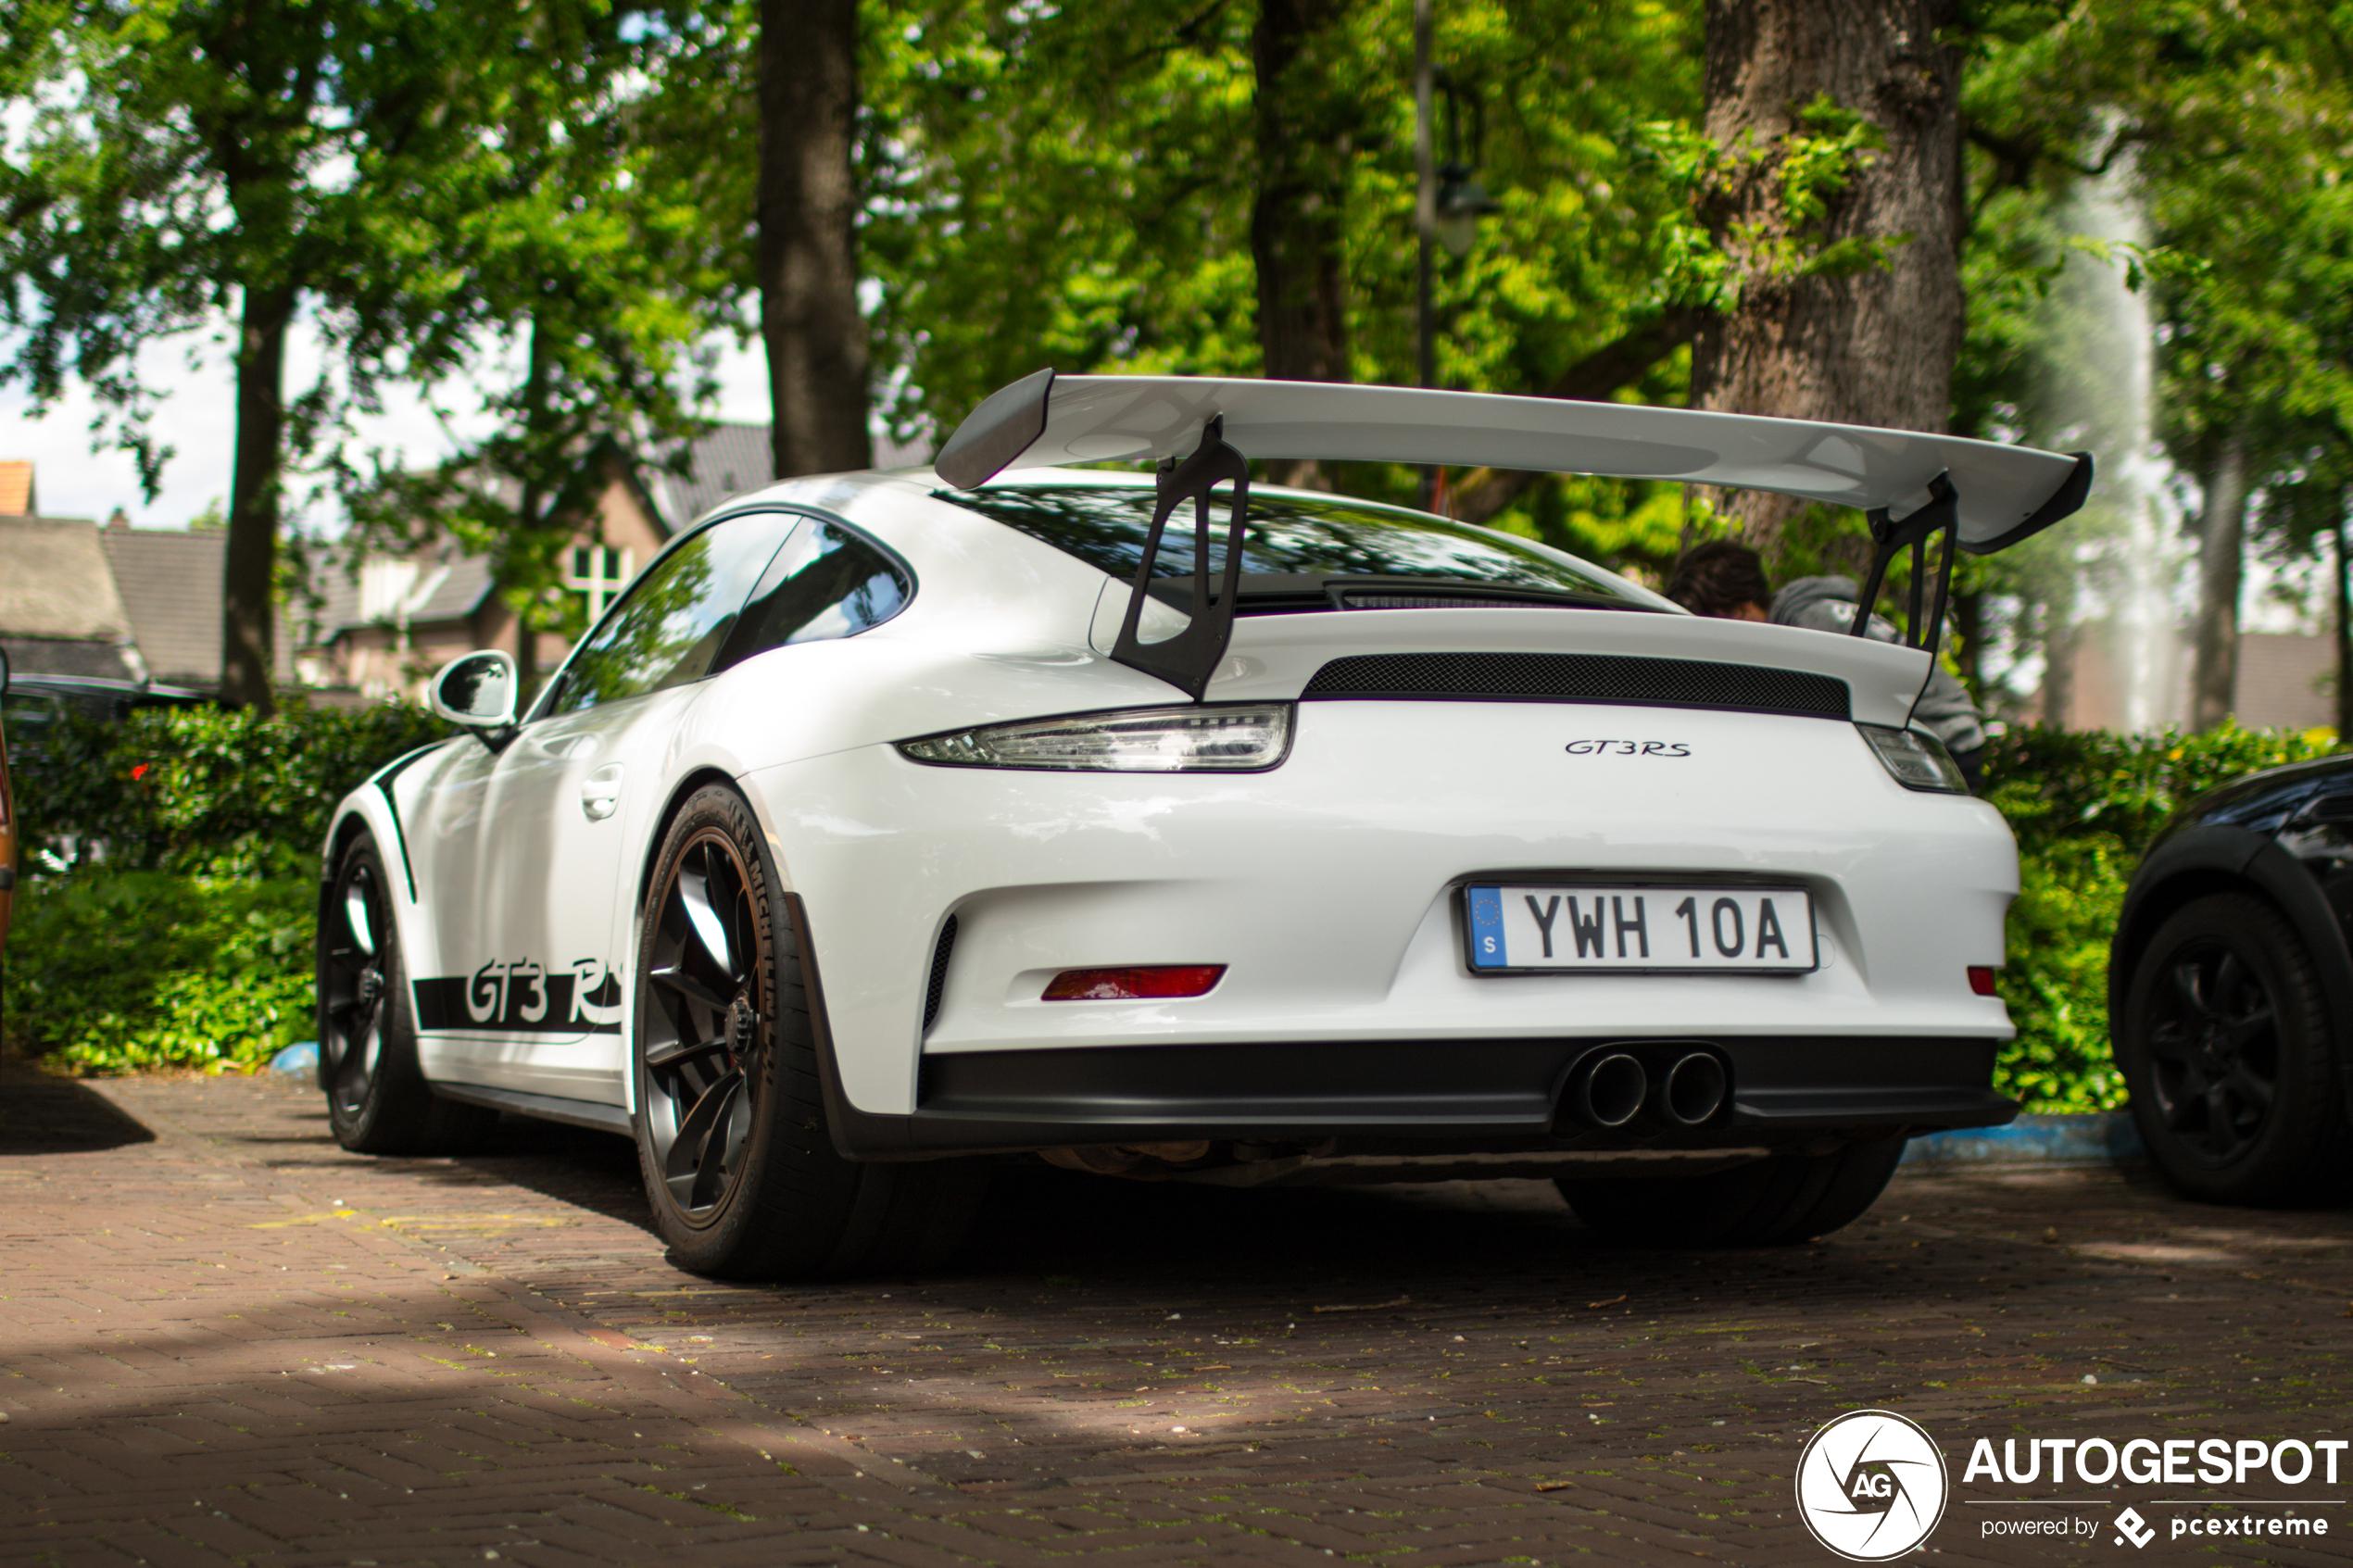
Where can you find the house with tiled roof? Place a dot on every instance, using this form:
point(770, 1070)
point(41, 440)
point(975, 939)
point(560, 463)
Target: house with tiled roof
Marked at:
point(169, 579)
point(16, 489)
point(383, 624)
point(145, 603)
point(59, 611)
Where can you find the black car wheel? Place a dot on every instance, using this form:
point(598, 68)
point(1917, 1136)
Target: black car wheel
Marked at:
point(1789, 1197)
point(731, 1126)
point(378, 1101)
point(2225, 1052)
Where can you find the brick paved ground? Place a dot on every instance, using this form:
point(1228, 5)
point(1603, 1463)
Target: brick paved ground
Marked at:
point(222, 1340)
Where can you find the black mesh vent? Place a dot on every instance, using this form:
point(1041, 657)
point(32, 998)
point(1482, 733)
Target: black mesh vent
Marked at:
point(1579, 677)
point(939, 986)
point(1358, 600)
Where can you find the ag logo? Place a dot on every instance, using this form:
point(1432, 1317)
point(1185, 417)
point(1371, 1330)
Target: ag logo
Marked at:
point(1872, 1486)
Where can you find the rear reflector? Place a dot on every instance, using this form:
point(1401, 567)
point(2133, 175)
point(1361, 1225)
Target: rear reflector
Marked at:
point(1133, 984)
point(1980, 979)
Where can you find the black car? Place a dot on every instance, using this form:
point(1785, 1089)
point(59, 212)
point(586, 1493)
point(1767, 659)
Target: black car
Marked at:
point(2230, 988)
point(33, 704)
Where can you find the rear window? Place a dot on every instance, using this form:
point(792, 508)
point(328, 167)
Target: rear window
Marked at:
point(1290, 545)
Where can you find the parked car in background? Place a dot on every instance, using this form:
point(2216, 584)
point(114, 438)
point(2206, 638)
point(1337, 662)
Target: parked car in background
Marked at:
point(2231, 989)
point(32, 706)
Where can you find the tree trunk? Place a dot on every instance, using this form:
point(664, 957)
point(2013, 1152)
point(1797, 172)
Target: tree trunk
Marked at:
point(2222, 563)
point(2059, 663)
point(1968, 629)
point(1874, 347)
point(248, 574)
point(1295, 224)
point(808, 204)
point(529, 506)
point(1485, 492)
point(2344, 624)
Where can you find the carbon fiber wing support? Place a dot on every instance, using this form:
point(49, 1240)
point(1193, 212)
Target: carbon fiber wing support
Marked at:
point(1187, 659)
point(1942, 514)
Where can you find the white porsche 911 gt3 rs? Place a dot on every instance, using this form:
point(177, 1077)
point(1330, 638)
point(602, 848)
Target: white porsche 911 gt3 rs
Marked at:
point(1169, 825)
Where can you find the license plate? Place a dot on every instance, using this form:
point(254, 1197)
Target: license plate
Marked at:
point(1516, 929)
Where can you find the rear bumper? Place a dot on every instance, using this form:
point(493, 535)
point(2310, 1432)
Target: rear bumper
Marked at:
point(1417, 1095)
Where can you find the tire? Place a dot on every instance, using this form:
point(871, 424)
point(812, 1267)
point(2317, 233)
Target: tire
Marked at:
point(378, 1101)
point(1772, 1203)
point(731, 1128)
point(2226, 1055)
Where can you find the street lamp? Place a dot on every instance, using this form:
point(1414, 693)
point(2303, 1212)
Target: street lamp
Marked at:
point(1448, 203)
point(1461, 203)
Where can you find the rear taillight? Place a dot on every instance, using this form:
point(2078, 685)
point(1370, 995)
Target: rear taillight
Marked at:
point(1980, 979)
point(1136, 983)
point(1237, 737)
point(1914, 759)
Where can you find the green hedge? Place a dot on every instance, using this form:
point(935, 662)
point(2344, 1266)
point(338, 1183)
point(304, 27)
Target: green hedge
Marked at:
point(118, 970)
point(173, 859)
point(2084, 804)
point(204, 791)
point(189, 944)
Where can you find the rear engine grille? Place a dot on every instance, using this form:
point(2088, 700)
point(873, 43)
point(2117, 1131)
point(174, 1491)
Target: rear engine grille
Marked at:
point(1354, 601)
point(939, 986)
point(1579, 677)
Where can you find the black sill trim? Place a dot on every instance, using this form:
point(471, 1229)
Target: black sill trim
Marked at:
point(1616, 679)
point(588, 1113)
point(1390, 1095)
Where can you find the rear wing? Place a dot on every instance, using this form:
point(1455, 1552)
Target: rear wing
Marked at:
point(1980, 495)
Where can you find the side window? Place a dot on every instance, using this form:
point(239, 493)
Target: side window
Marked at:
point(673, 620)
point(827, 582)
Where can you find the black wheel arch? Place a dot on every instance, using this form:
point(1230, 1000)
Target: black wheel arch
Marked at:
point(2220, 859)
point(679, 795)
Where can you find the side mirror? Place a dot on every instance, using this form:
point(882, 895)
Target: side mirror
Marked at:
point(476, 692)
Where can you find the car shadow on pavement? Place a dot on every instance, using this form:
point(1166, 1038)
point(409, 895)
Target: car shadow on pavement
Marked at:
point(43, 1114)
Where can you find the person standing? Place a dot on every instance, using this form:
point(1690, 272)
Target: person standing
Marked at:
point(1726, 580)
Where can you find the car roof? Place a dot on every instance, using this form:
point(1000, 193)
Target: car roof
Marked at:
point(103, 687)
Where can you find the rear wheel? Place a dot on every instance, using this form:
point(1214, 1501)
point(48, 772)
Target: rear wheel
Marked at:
point(2225, 1052)
point(378, 1101)
point(731, 1127)
point(1786, 1199)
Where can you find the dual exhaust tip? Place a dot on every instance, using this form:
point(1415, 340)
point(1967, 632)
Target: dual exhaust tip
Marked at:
point(1617, 1087)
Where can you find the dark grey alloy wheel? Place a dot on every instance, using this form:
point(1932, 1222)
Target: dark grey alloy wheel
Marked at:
point(378, 1101)
point(732, 1138)
point(2226, 1055)
point(1789, 1197)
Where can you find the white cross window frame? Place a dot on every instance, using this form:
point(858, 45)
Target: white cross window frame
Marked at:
point(599, 573)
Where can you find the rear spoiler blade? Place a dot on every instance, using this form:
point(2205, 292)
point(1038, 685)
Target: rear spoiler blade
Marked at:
point(1980, 495)
point(2006, 494)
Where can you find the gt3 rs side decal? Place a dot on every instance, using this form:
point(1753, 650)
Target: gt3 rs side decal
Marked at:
point(523, 998)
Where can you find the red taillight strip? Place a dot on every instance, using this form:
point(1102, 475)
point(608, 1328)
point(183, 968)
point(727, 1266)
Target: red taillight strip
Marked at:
point(1134, 983)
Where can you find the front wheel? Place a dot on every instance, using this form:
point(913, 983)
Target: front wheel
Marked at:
point(378, 1101)
point(731, 1126)
point(1773, 1202)
point(2226, 1050)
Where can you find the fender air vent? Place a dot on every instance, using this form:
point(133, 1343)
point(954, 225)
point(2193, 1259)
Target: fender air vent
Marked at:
point(1579, 677)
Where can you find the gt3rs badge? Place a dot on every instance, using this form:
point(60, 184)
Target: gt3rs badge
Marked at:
point(1627, 748)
